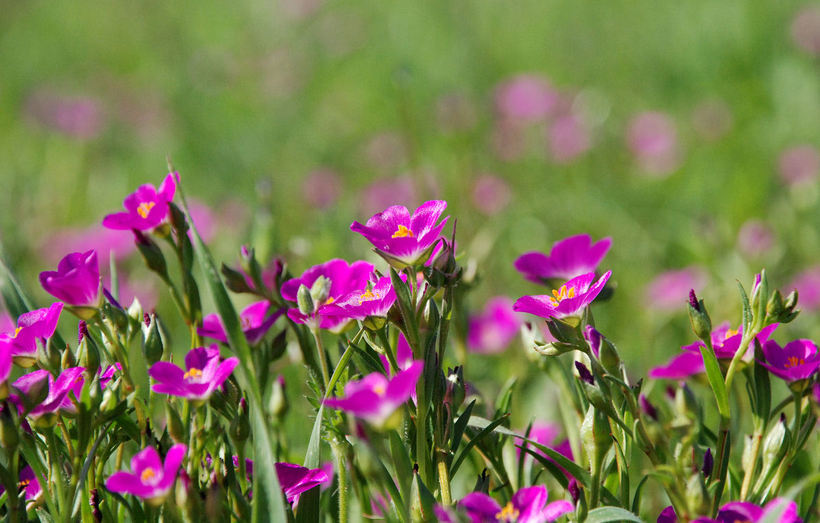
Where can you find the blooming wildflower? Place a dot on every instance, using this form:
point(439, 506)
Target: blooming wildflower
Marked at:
point(725, 342)
point(76, 282)
point(146, 208)
point(807, 284)
point(406, 239)
point(492, 331)
point(526, 98)
point(491, 194)
point(374, 398)
point(254, 319)
point(737, 511)
point(150, 478)
point(669, 289)
point(204, 373)
point(653, 140)
point(364, 303)
point(528, 505)
point(108, 375)
point(295, 479)
point(797, 360)
point(567, 259)
point(568, 301)
point(404, 356)
point(344, 278)
point(799, 165)
point(28, 482)
point(70, 380)
point(21, 344)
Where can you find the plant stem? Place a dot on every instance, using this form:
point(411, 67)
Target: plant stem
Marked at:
point(444, 481)
point(320, 348)
point(749, 475)
point(341, 471)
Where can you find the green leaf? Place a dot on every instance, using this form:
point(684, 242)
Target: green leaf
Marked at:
point(401, 463)
point(551, 467)
point(636, 500)
point(607, 514)
point(485, 431)
point(267, 498)
point(313, 455)
point(408, 312)
point(747, 308)
point(459, 426)
point(309, 506)
point(715, 380)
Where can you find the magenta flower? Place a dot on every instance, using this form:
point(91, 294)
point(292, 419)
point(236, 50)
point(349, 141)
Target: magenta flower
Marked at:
point(491, 194)
point(343, 278)
point(737, 511)
point(108, 375)
point(204, 373)
point(363, 304)
point(797, 360)
point(95, 238)
point(76, 282)
point(28, 482)
point(546, 434)
point(405, 239)
point(567, 259)
point(569, 300)
point(528, 505)
point(385, 192)
point(255, 319)
point(654, 142)
point(35, 325)
point(755, 238)
point(295, 479)
point(668, 290)
point(58, 399)
point(374, 398)
point(404, 356)
point(146, 208)
point(569, 136)
point(725, 342)
point(150, 478)
point(79, 117)
point(492, 331)
point(321, 188)
point(526, 98)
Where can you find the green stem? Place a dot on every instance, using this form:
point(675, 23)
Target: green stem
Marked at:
point(320, 348)
point(444, 480)
point(341, 471)
point(749, 475)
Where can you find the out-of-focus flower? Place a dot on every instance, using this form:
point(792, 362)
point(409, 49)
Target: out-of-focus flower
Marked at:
point(799, 164)
point(712, 119)
point(491, 194)
point(568, 137)
point(525, 98)
point(80, 117)
point(387, 191)
point(737, 511)
point(365, 303)
point(567, 259)
point(528, 505)
point(492, 331)
point(21, 343)
point(205, 372)
point(797, 360)
point(569, 300)
point(755, 238)
point(76, 281)
point(406, 238)
point(70, 380)
point(374, 398)
point(805, 30)
point(668, 291)
point(296, 480)
point(343, 279)
point(95, 238)
point(321, 188)
point(404, 356)
point(256, 320)
point(725, 342)
point(807, 284)
point(653, 140)
point(546, 434)
point(146, 208)
point(150, 478)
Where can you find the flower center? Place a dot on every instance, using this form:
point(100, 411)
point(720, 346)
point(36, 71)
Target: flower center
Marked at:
point(144, 208)
point(379, 389)
point(245, 323)
point(147, 475)
point(368, 295)
point(794, 361)
point(192, 373)
point(24, 483)
point(403, 232)
point(562, 294)
point(508, 513)
point(16, 332)
point(730, 333)
point(330, 300)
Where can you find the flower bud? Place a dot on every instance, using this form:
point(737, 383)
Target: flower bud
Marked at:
point(699, 318)
point(708, 463)
point(235, 280)
point(574, 491)
point(151, 254)
point(320, 290)
point(175, 427)
point(305, 301)
point(9, 436)
point(36, 394)
point(595, 435)
point(747, 460)
point(68, 359)
point(647, 407)
point(278, 404)
point(152, 346)
point(88, 350)
point(109, 400)
point(215, 500)
point(696, 494)
point(482, 483)
point(594, 339)
point(775, 444)
point(241, 426)
point(455, 391)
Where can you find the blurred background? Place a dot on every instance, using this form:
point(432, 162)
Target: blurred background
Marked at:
point(688, 132)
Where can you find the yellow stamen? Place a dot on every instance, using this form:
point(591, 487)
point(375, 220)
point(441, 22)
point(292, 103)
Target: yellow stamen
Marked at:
point(16, 332)
point(330, 300)
point(403, 232)
point(794, 361)
point(379, 389)
point(144, 208)
point(147, 474)
point(730, 333)
point(193, 373)
point(245, 323)
point(508, 513)
point(562, 294)
point(368, 295)
point(24, 483)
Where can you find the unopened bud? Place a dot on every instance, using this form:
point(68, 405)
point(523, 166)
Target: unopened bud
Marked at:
point(36, 394)
point(776, 443)
point(278, 404)
point(175, 427)
point(699, 318)
point(68, 360)
point(696, 493)
point(152, 347)
point(455, 391)
point(241, 426)
point(647, 407)
point(88, 351)
point(583, 373)
point(151, 254)
point(305, 301)
point(708, 463)
point(320, 290)
point(595, 435)
point(235, 280)
point(748, 458)
point(574, 491)
point(9, 436)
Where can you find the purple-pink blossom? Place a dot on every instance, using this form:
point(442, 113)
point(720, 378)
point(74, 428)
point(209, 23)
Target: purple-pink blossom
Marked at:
point(807, 284)
point(528, 505)
point(742, 511)
point(569, 300)
point(374, 398)
point(653, 140)
point(364, 303)
point(568, 258)
point(568, 137)
point(669, 289)
point(494, 328)
point(755, 238)
point(204, 373)
point(296, 480)
point(343, 279)
point(797, 360)
point(491, 194)
point(321, 188)
point(21, 344)
point(58, 399)
point(146, 208)
point(525, 98)
point(28, 482)
point(256, 320)
point(76, 282)
point(150, 478)
point(407, 239)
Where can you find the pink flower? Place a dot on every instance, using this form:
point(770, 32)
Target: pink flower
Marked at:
point(385, 192)
point(364, 303)
point(76, 281)
point(526, 97)
point(145, 209)
point(256, 320)
point(296, 480)
point(528, 505)
point(491, 194)
point(28, 482)
point(80, 117)
point(21, 344)
point(567, 259)
point(570, 300)
point(321, 188)
point(205, 372)
point(95, 238)
point(150, 479)
point(492, 331)
point(569, 137)
point(668, 291)
point(799, 164)
point(807, 284)
point(653, 140)
point(69, 381)
point(798, 360)
point(755, 238)
point(805, 29)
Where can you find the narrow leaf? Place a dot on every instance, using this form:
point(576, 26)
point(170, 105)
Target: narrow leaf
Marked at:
point(607, 514)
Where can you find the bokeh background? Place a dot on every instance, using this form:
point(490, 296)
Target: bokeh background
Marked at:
point(686, 131)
